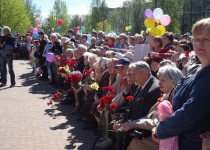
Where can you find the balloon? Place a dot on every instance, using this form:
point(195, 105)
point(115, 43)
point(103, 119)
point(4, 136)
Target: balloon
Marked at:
point(148, 13)
point(58, 28)
point(36, 35)
point(50, 57)
point(35, 30)
point(37, 18)
point(41, 30)
point(31, 29)
point(60, 22)
point(37, 21)
point(77, 29)
point(155, 32)
point(142, 31)
point(83, 29)
point(89, 37)
point(158, 13)
point(149, 23)
point(93, 30)
point(38, 27)
point(130, 27)
point(126, 28)
point(162, 29)
point(165, 20)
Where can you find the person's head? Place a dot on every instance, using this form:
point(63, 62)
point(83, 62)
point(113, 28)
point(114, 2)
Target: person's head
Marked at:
point(94, 34)
point(104, 49)
point(183, 48)
point(86, 55)
point(81, 50)
point(122, 66)
point(92, 59)
point(84, 37)
point(131, 40)
point(154, 63)
point(93, 41)
point(123, 38)
point(41, 34)
point(201, 40)
point(140, 72)
point(176, 43)
point(167, 38)
point(70, 32)
point(168, 76)
point(69, 53)
point(53, 37)
point(129, 55)
point(157, 42)
point(109, 54)
point(138, 38)
point(101, 65)
point(65, 42)
point(78, 37)
point(109, 39)
point(100, 35)
point(111, 65)
point(166, 62)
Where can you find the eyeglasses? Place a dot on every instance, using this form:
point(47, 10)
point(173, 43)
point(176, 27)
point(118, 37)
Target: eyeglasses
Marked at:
point(201, 41)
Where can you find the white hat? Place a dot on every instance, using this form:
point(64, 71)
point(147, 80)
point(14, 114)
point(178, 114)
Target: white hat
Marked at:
point(64, 40)
point(129, 55)
point(119, 55)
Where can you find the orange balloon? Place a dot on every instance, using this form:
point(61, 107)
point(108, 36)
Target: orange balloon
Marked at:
point(38, 27)
point(157, 21)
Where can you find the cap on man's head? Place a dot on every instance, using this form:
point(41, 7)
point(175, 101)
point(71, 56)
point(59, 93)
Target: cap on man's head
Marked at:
point(41, 32)
point(122, 62)
point(105, 47)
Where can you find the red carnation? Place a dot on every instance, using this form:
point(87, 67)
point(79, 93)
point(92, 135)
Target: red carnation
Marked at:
point(71, 62)
point(102, 106)
point(113, 106)
point(87, 72)
point(57, 58)
point(129, 98)
point(108, 88)
point(64, 82)
point(187, 53)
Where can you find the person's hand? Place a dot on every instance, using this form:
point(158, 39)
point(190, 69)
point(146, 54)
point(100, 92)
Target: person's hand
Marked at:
point(87, 87)
point(154, 135)
point(116, 126)
point(129, 125)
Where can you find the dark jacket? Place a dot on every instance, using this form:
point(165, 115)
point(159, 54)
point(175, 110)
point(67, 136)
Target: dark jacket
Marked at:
point(39, 52)
point(8, 43)
point(57, 48)
point(80, 64)
point(192, 111)
point(145, 99)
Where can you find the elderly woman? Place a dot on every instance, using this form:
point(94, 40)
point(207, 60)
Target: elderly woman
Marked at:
point(191, 97)
point(54, 47)
point(168, 76)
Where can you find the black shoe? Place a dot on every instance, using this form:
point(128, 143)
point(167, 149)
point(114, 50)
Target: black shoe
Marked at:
point(3, 84)
point(12, 85)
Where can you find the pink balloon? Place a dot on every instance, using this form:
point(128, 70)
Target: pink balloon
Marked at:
point(165, 20)
point(148, 13)
point(77, 29)
point(50, 57)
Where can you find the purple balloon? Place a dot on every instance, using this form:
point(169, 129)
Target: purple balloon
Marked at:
point(50, 57)
point(37, 21)
point(148, 13)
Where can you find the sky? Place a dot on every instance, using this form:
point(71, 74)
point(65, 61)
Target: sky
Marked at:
point(79, 7)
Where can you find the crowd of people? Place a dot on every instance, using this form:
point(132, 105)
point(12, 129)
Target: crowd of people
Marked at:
point(159, 102)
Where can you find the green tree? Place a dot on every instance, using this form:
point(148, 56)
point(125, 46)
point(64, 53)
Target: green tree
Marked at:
point(104, 25)
point(60, 11)
point(13, 14)
point(75, 21)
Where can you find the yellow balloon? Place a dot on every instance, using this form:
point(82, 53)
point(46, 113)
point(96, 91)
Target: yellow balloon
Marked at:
point(149, 23)
point(142, 31)
point(162, 29)
point(126, 28)
point(155, 32)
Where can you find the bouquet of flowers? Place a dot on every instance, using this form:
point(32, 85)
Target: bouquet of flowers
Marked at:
point(106, 100)
point(63, 71)
point(130, 99)
point(75, 78)
point(55, 98)
point(71, 63)
point(94, 86)
point(88, 74)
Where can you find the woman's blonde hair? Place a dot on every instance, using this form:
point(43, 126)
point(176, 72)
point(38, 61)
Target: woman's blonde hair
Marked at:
point(203, 24)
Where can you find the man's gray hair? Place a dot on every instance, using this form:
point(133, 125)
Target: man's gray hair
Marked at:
point(82, 47)
point(170, 72)
point(141, 65)
point(7, 28)
point(167, 62)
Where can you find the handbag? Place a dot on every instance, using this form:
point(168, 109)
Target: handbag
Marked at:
point(141, 134)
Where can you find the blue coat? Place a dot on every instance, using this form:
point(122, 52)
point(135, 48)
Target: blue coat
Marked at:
point(191, 103)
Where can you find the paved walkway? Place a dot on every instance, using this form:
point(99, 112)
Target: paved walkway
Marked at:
point(27, 123)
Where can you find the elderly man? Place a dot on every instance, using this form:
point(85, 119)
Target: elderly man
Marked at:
point(6, 56)
point(92, 44)
point(145, 98)
point(67, 44)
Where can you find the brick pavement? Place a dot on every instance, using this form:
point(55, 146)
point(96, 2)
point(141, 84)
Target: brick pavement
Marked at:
point(27, 123)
